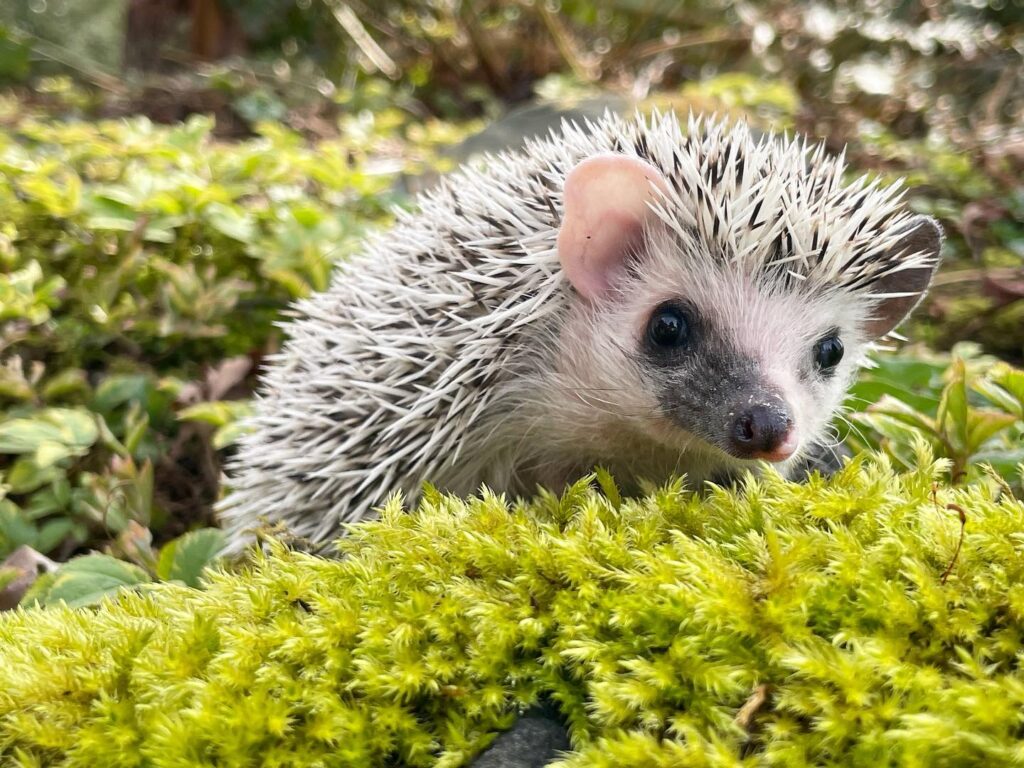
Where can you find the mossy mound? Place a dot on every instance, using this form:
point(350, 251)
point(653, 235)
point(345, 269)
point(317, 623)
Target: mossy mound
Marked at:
point(651, 623)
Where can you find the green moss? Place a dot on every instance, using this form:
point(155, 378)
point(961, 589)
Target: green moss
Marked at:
point(651, 622)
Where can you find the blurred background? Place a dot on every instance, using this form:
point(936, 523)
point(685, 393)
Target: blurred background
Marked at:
point(174, 172)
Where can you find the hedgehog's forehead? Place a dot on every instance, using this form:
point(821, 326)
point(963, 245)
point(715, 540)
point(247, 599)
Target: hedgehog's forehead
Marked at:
point(723, 271)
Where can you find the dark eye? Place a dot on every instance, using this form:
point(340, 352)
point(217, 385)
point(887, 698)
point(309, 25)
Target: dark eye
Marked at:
point(828, 352)
point(668, 327)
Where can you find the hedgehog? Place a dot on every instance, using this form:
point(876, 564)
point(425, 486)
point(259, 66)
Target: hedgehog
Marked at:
point(625, 294)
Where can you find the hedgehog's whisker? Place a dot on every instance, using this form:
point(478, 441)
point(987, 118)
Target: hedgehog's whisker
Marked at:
point(852, 426)
point(591, 400)
point(592, 389)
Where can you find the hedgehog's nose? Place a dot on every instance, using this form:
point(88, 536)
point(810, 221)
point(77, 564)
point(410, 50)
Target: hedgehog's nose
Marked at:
point(763, 430)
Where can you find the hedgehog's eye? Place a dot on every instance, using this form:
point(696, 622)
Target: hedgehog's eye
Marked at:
point(828, 352)
point(669, 326)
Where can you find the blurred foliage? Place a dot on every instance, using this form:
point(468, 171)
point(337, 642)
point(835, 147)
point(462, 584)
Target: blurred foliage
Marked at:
point(930, 92)
point(142, 266)
point(84, 30)
point(141, 270)
point(846, 54)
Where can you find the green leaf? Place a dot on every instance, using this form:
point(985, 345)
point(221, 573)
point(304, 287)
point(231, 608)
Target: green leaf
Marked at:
point(952, 416)
point(53, 533)
point(984, 424)
point(229, 434)
point(26, 475)
point(88, 579)
point(74, 427)
point(231, 222)
point(909, 373)
point(1012, 381)
point(24, 295)
point(136, 430)
point(213, 412)
point(26, 435)
point(15, 57)
point(868, 391)
point(15, 528)
point(50, 453)
point(13, 384)
point(894, 429)
point(65, 384)
point(48, 501)
point(37, 592)
point(142, 497)
point(998, 396)
point(60, 196)
point(900, 411)
point(1006, 463)
point(219, 413)
point(119, 389)
point(51, 435)
point(78, 426)
point(185, 558)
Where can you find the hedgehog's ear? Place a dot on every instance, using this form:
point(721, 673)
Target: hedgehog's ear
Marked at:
point(606, 207)
point(899, 292)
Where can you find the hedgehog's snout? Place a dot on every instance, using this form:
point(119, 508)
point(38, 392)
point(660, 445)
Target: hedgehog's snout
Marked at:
point(763, 429)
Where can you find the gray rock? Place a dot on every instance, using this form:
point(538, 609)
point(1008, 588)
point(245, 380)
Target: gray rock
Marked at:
point(511, 131)
point(535, 740)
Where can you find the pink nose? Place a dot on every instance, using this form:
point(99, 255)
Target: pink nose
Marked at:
point(764, 431)
point(782, 450)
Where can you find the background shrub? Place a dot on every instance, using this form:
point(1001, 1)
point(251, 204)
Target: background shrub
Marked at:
point(163, 203)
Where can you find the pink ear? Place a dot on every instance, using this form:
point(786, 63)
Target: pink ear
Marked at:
point(606, 205)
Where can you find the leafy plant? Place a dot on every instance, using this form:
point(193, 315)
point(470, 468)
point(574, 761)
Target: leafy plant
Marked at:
point(967, 409)
point(136, 261)
point(87, 579)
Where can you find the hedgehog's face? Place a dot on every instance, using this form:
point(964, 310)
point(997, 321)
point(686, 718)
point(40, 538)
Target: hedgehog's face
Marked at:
point(708, 359)
point(733, 366)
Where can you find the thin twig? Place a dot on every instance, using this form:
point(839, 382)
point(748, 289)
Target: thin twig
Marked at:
point(376, 55)
point(975, 276)
point(745, 715)
point(654, 47)
point(960, 542)
point(481, 47)
point(565, 44)
point(87, 69)
point(1004, 487)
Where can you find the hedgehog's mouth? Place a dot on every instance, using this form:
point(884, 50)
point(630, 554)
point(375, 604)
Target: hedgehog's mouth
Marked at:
point(776, 450)
point(783, 453)
point(706, 454)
